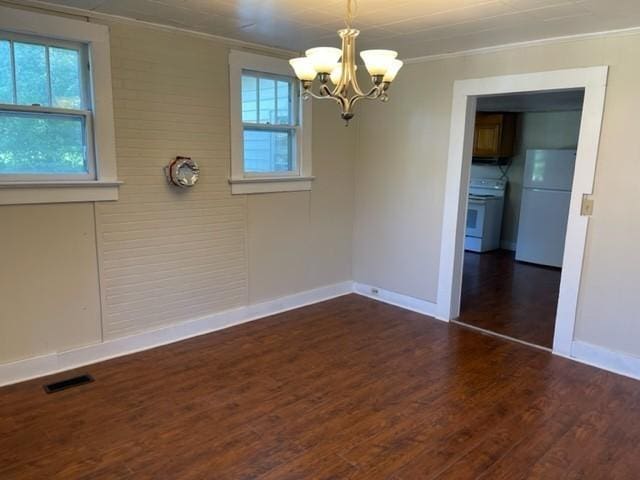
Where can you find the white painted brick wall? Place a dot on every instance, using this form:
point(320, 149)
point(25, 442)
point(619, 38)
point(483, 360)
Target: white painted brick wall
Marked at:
point(167, 255)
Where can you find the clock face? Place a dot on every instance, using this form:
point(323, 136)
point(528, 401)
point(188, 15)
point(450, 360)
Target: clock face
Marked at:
point(186, 175)
point(184, 172)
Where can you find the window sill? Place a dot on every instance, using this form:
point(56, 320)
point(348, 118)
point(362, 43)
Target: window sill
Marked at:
point(21, 193)
point(241, 186)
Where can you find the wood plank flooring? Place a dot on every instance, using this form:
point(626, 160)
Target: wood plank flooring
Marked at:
point(515, 299)
point(345, 389)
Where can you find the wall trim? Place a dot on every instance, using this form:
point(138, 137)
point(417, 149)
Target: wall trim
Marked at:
point(35, 367)
point(525, 44)
point(600, 357)
point(242, 182)
point(397, 299)
point(29, 193)
point(465, 92)
point(27, 369)
point(99, 129)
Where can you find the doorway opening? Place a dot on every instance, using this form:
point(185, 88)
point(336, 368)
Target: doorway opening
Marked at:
point(523, 161)
point(587, 83)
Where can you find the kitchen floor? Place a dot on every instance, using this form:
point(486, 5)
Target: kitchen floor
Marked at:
point(511, 298)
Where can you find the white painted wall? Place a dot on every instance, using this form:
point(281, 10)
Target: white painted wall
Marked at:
point(400, 175)
point(48, 279)
point(386, 210)
point(534, 130)
point(302, 240)
point(166, 256)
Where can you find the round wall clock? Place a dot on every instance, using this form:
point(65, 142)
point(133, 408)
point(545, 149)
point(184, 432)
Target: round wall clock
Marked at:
point(183, 172)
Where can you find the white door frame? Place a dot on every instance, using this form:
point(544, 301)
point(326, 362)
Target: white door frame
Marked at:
point(465, 92)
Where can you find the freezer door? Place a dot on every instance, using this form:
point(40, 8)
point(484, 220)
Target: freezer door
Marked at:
point(543, 226)
point(549, 169)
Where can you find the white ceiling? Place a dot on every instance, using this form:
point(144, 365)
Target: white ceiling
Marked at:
point(413, 27)
point(533, 102)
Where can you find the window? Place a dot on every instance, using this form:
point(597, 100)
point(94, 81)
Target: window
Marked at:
point(45, 116)
point(55, 86)
point(269, 122)
point(270, 127)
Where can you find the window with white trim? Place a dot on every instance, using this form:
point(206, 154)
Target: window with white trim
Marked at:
point(269, 123)
point(57, 138)
point(270, 127)
point(45, 110)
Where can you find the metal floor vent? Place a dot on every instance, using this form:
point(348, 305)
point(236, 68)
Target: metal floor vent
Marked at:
point(68, 383)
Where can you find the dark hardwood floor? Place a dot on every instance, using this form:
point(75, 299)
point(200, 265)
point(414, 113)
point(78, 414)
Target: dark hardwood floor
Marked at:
point(345, 389)
point(515, 299)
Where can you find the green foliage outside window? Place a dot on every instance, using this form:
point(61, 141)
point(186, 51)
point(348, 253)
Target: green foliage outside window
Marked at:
point(39, 142)
point(33, 143)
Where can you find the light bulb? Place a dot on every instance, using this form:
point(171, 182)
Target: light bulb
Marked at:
point(303, 68)
point(392, 71)
point(324, 59)
point(378, 61)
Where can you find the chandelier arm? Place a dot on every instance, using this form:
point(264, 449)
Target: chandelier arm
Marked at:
point(311, 94)
point(326, 91)
point(327, 94)
point(340, 99)
point(375, 92)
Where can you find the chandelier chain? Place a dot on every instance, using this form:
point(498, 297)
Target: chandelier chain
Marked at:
point(352, 9)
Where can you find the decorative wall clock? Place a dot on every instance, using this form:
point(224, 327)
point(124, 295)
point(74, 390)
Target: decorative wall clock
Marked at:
point(182, 172)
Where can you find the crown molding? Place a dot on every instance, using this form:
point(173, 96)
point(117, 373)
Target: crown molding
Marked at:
point(87, 15)
point(528, 43)
point(47, 7)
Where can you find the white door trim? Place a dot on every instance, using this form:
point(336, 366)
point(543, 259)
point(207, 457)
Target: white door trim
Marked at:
point(465, 93)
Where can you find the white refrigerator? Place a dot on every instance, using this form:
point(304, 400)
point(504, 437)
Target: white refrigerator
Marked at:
point(544, 211)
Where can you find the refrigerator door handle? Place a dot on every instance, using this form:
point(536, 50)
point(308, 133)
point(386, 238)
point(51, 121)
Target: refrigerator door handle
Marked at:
point(536, 189)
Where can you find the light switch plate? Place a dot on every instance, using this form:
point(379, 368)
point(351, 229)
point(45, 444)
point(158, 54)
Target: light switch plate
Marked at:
point(587, 205)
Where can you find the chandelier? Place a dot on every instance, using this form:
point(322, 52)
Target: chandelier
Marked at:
point(338, 66)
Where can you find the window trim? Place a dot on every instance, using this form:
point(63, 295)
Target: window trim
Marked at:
point(241, 182)
point(64, 32)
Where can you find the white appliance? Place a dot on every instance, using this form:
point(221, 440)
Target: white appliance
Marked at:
point(484, 214)
point(544, 211)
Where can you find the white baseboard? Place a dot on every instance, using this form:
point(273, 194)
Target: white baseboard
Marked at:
point(60, 361)
point(397, 299)
point(27, 369)
point(600, 357)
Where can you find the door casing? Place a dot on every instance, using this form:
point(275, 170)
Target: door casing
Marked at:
point(593, 80)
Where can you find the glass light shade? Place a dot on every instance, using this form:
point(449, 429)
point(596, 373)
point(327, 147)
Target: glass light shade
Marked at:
point(392, 71)
point(303, 68)
point(378, 61)
point(337, 73)
point(324, 59)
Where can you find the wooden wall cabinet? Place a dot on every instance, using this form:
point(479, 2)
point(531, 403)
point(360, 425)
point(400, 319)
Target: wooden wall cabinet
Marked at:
point(494, 135)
